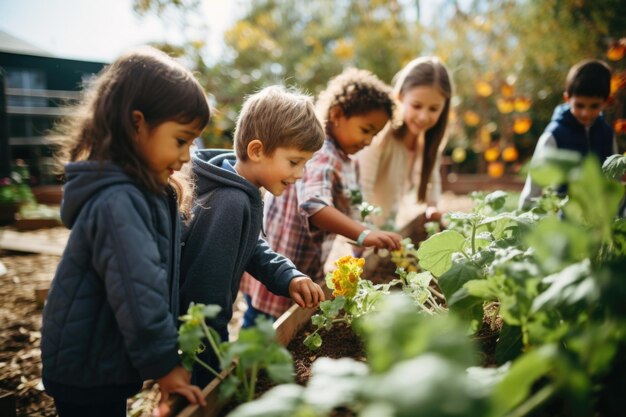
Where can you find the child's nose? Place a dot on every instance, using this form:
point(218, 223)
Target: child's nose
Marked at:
point(185, 155)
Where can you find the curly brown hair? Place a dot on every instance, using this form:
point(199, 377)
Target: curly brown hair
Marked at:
point(355, 92)
point(101, 127)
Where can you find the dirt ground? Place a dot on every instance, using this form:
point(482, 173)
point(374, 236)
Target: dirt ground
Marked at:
point(20, 323)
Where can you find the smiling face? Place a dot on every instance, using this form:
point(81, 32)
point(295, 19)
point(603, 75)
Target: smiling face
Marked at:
point(585, 109)
point(422, 106)
point(356, 132)
point(165, 147)
point(281, 169)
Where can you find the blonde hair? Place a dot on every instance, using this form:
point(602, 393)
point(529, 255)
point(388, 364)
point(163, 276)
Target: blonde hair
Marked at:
point(355, 92)
point(425, 71)
point(278, 117)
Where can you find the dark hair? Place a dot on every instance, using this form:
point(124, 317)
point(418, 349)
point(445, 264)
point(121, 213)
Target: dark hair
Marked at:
point(426, 71)
point(101, 127)
point(589, 78)
point(278, 117)
point(355, 92)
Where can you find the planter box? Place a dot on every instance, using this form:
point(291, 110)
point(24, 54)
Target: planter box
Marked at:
point(287, 327)
point(466, 183)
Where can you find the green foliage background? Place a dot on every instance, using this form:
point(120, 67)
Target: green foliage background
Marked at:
point(527, 44)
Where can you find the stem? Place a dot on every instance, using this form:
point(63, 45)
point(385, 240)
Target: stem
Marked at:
point(208, 367)
point(253, 377)
point(533, 402)
point(243, 378)
point(473, 238)
point(437, 293)
point(211, 340)
point(427, 310)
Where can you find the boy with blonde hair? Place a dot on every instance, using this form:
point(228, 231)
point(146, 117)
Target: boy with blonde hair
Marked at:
point(277, 132)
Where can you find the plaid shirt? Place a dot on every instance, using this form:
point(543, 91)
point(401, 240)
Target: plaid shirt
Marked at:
point(328, 180)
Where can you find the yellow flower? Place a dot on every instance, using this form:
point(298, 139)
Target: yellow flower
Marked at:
point(347, 275)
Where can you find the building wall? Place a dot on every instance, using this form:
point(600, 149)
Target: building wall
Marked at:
point(50, 84)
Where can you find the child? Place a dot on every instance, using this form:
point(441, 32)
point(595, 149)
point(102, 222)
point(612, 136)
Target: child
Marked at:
point(276, 134)
point(110, 321)
point(577, 125)
point(354, 107)
point(407, 153)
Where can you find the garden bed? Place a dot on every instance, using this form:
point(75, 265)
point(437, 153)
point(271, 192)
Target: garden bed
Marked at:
point(295, 324)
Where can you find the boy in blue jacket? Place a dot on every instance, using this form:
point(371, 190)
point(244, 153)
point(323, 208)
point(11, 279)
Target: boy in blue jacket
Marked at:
point(276, 134)
point(578, 124)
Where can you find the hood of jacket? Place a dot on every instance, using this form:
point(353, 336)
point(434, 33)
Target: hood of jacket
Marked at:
point(207, 167)
point(562, 114)
point(84, 180)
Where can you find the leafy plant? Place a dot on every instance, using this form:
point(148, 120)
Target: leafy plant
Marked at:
point(353, 297)
point(405, 349)
point(549, 273)
point(406, 256)
point(255, 350)
point(15, 189)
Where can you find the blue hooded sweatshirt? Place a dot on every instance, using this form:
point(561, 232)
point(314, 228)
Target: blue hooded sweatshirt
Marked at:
point(223, 241)
point(108, 323)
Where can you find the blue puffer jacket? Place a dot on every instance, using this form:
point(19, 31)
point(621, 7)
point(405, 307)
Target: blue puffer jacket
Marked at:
point(109, 320)
point(570, 134)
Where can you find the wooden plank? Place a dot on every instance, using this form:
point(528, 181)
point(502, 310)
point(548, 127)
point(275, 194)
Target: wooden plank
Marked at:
point(24, 242)
point(213, 405)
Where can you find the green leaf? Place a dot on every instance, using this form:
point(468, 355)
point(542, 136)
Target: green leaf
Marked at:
point(281, 372)
point(594, 200)
point(282, 401)
point(614, 166)
point(313, 341)
point(496, 199)
point(331, 308)
point(558, 243)
point(554, 167)
point(569, 287)
point(456, 277)
point(509, 344)
point(517, 384)
point(435, 254)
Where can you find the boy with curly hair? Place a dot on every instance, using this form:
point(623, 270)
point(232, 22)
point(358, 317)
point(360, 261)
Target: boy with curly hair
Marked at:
point(353, 108)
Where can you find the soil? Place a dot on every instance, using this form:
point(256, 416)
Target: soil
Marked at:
point(20, 322)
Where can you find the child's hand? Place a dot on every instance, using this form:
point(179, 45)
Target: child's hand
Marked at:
point(381, 239)
point(177, 381)
point(305, 292)
point(432, 214)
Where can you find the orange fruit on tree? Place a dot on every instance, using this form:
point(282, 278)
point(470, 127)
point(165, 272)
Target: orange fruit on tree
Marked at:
point(483, 88)
point(505, 105)
point(492, 153)
point(495, 169)
point(616, 52)
point(522, 104)
point(471, 118)
point(510, 154)
point(522, 125)
point(507, 90)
